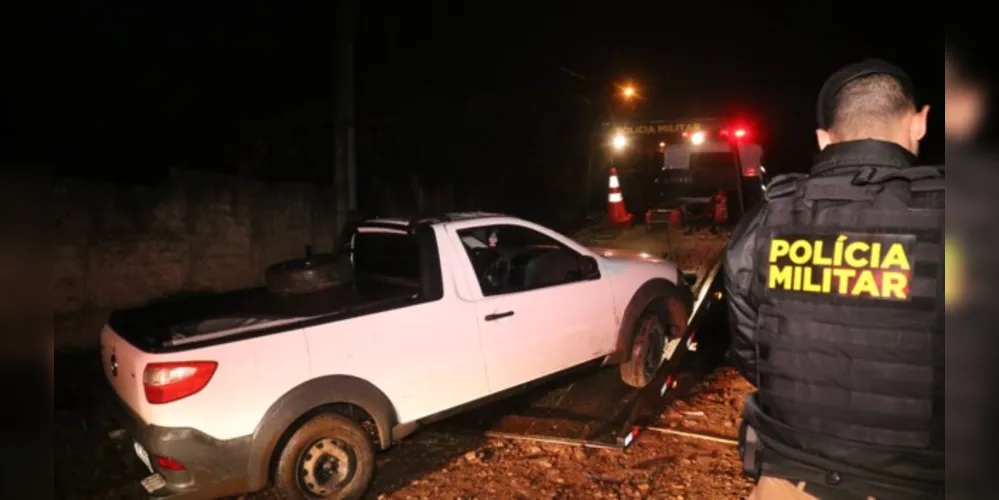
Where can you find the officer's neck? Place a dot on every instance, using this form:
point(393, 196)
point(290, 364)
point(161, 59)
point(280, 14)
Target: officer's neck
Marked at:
point(864, 152)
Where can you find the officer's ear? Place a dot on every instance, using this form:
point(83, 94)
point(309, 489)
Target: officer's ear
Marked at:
point(824, 138)
point(917, 124)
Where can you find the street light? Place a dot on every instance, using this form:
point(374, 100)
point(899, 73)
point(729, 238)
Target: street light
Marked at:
point(628, 93)
point(619, 142)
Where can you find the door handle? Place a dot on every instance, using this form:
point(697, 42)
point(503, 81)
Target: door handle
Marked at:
point(496, 316)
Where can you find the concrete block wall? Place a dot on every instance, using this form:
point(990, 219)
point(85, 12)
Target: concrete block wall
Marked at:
point(119, 246)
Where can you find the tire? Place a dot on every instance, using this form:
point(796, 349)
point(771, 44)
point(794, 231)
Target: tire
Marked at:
point(663, 325)
point(311, 274)
point(349, 468)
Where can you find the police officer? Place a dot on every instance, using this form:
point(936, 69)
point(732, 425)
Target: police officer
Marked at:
point(835, 289)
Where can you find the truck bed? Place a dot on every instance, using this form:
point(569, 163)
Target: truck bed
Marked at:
point(186, 321)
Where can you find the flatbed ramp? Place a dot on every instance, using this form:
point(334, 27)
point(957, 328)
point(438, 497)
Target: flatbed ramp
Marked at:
point(595, 408)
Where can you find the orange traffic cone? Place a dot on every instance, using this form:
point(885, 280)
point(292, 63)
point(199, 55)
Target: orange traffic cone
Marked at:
point(617, 214)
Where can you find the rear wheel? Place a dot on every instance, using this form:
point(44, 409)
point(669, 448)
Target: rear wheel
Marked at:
point(660, 337)
point(328, 457)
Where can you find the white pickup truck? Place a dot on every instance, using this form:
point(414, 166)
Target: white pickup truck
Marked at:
point(226, 394)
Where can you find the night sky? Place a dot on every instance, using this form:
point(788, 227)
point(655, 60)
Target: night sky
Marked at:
point(138, 87)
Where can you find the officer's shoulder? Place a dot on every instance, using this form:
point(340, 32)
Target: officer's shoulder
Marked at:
point(784, 185)
point(921, 178)
point(928, 178)
point(878, 175)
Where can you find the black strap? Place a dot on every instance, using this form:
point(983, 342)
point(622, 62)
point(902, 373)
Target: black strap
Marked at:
point(784, 185)
point(837, 188)
point(926, 185)
point(867, 183)
point(830, 493)
point(881, 175)
point(750, 449)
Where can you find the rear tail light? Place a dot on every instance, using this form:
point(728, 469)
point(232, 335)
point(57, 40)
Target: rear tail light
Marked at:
point(167, 463)
point(166, 382)
point(750, 172)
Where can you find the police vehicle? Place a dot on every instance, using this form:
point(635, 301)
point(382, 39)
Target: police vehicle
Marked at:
point(707, 169)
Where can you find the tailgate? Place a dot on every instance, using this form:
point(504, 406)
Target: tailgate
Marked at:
point(123, 366)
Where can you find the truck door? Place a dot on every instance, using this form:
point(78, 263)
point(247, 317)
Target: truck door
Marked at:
point(537, 315)
point(419, 345)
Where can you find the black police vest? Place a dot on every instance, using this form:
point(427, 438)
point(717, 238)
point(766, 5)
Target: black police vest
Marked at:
point(850, 326)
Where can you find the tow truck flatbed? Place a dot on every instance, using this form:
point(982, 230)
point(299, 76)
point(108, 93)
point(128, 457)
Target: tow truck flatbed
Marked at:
point(595, 408)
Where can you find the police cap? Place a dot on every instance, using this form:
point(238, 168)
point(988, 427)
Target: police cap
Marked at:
point(850, 73)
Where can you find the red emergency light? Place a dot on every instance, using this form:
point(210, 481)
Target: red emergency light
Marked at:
point(738, 133)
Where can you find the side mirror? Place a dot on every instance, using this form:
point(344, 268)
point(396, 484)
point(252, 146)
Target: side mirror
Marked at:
point(589, 268)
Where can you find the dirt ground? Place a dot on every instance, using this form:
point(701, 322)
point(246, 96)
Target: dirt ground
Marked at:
point(437, 465)
point(657, 465)
point(432, 464)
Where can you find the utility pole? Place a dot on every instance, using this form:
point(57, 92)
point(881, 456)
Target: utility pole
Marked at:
point(345, 158)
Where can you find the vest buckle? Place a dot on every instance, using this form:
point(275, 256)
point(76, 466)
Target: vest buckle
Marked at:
point(750, 451)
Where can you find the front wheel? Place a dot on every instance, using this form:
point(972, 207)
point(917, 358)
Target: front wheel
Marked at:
point(330, 457)
point(660, 337)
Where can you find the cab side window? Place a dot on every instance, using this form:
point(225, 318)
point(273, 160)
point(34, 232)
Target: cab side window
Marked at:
point(510, 259)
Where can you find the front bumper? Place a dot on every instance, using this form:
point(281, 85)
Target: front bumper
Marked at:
point(214, 468)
